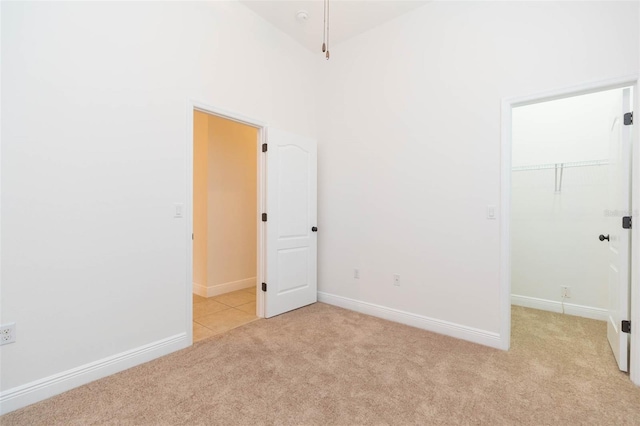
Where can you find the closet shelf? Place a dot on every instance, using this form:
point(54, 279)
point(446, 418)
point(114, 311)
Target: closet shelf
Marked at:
point(560, 165)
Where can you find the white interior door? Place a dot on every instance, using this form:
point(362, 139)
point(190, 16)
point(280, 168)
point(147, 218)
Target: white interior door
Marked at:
point(291, 214)
point(619, 238)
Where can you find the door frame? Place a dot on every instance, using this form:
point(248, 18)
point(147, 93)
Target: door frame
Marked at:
point(505, 206)
point(192, 106)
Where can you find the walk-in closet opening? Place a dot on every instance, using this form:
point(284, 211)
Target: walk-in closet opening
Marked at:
point(570, 190)
point(224, 224)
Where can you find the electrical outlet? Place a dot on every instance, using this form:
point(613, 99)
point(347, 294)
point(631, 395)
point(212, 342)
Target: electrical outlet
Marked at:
point(396, 279)
point(356, 274)
point(565, 292)
point(7, 333)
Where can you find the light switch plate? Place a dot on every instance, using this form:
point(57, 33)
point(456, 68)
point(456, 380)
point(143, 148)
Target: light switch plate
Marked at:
point(491, 212)
point(179, 210)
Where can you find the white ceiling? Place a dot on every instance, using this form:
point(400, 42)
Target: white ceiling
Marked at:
point(348, 18)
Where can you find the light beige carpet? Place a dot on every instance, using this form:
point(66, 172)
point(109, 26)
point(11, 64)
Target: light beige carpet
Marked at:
point(328, 366)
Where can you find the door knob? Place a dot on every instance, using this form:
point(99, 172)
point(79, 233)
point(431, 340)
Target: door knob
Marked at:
point(602, 237)
point(314, 229)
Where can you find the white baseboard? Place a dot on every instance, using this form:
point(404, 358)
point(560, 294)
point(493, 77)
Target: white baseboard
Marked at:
point(199, 289)
point(447, 328)
point(218, 289)
point(553, 306)
point(38, 390)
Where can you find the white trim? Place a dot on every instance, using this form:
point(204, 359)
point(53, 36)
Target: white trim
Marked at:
point(229, 115)
point(505, 228)
point(555, 306)
point(634, 356)
point(446, 328)
point(571, 91)
point(505, 206)
point(218, 289)
point(261, 242)
point(38, 390)
point(200, 290)
point(188, 300)
point(195, 105)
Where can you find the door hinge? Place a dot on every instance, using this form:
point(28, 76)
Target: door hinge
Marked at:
point(626, 222)
point(264, 286)
point(192, 236)
point(264, 217)
point(628, 119)
point(264, 147)
point(626, 326)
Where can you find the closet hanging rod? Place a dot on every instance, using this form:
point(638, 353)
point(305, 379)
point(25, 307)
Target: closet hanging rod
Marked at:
point(564, 165)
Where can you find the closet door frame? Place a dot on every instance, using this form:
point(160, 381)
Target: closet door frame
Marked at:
point(505, 206)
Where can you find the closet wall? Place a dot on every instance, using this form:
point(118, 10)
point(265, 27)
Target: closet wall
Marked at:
point(559, 212)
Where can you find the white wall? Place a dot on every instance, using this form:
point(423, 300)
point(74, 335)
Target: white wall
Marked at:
point(554, 234)
point(564, 130)
point(94, 154)
point(409, 154)
point(554, 239)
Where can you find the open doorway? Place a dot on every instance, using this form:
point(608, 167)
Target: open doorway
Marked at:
point(285, 220)
point(568, 251)
point(225, 229)
point(560, 204)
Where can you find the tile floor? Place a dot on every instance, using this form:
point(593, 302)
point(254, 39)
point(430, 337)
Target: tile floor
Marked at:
point(215, 315)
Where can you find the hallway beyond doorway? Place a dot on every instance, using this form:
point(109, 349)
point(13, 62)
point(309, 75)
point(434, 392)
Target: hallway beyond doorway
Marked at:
point(222, 313)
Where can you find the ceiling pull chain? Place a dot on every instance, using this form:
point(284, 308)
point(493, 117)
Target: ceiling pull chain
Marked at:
point(327, 55)
point(324, 27)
